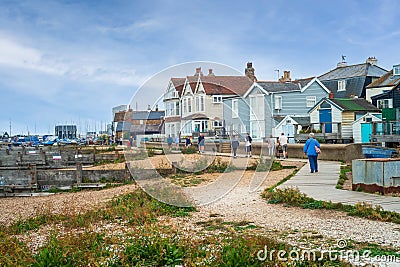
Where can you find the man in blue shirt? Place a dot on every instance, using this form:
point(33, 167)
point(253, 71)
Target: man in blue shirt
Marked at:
point(312, 149)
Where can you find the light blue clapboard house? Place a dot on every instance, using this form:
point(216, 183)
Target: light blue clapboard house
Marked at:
point(268, 104)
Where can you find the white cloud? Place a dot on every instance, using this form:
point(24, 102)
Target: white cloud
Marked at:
point(134, 28)
point(76, 67)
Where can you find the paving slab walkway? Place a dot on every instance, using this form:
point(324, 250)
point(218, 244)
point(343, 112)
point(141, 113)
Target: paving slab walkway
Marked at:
point(321, 186)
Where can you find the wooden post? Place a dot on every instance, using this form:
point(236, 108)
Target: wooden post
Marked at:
point(94, 154)
point(78, 173)
point(19, 159)
point(43, 156)
point(33, 172)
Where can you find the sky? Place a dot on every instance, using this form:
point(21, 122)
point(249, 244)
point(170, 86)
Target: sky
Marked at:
point(70, 62)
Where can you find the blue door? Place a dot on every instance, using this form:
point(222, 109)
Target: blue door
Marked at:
point(366, 131)
point(325, 116)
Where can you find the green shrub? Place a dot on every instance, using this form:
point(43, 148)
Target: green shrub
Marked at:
point(293, 197)
point(343, 176)
point(189, 150)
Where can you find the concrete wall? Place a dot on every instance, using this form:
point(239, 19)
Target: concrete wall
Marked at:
point(336, 152)
point(372, 175)
point(63, 177)
point(44, 156)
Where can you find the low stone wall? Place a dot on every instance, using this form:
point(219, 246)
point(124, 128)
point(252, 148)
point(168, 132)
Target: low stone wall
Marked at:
point(45, 156)
point(336, 152)
point(64, 177)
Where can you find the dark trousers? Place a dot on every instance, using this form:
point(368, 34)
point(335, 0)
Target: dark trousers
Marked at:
point(313, 163)
point(234, 151)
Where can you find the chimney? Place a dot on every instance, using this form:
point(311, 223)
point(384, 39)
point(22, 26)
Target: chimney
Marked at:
point(330, 95)
point(157, 107)
point(372, 60)
point(285, 77)
point(148, 108)
point(342, 64)
point(249, 72)
point(210, 72)
point(198, 72)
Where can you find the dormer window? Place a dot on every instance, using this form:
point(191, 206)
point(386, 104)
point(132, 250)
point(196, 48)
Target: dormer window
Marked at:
point(217, 99)
point(396, 70)
point(341, 86)
point(384, 103)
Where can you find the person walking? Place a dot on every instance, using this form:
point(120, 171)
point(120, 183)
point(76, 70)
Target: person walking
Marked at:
point(248, 145)
point(188, 142)
point(131, 141)
point(201, 143)
point(177, 142)
point(283, 141)
point(271, 146)
point(311, 150)
point(169, 142)
point(235, 145)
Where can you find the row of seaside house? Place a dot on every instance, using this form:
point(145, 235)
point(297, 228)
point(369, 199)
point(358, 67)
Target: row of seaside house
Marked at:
point(350, 103)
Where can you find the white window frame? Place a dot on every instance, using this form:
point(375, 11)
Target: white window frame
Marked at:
point(217, 99)
point(384, 103)
point(311, 101)
point(177, 108)
point(341, 85)
point(252, 103)
point(189, 105)
point(235, 108)
point(217, 124)
point(202, 107)
point(278, 102)
point(396, 70)
point(243, 129)
point(184, 110)
point(196, 103)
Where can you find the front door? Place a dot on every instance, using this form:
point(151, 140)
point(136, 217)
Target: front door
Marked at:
point(366, 131)
point(325, 116)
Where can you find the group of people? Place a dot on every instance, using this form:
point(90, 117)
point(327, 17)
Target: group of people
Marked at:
point(275, 145)
point(235, 145)
point(311, 148)
point(175, 141)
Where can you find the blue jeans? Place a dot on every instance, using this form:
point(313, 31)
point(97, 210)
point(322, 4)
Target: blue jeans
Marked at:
point(313, 163)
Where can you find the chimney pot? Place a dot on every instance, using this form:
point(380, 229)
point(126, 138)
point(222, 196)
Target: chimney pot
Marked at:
point(285, 77)
point(330, 95)
point(249, 72)
point(210, 72)
point(198, 72)
point(372, 60)
point(148, 107)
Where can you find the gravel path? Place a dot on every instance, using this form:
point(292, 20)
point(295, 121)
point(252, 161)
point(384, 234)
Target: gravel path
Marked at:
point(241, 205)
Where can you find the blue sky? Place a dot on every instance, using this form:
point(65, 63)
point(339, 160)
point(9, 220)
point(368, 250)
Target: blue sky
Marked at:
point(72, 61)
